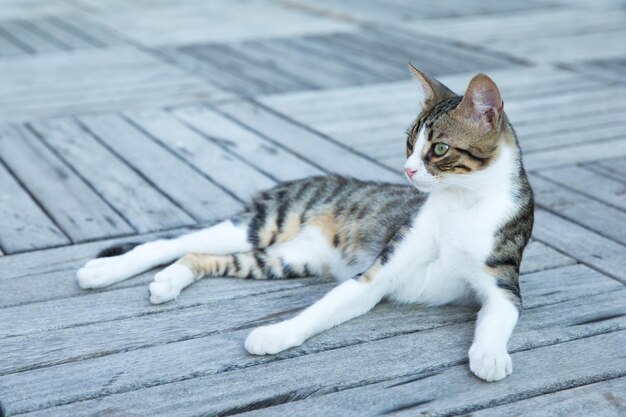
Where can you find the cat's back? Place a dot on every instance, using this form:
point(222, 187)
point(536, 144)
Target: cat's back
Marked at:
point(354, 215)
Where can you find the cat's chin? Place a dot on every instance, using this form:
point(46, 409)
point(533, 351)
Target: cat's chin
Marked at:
point(423, 187)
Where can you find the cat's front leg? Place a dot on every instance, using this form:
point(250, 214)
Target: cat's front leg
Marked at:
point(488, 355)
point(351, 299)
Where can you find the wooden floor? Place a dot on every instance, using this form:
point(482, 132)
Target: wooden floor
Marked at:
point(125, 120)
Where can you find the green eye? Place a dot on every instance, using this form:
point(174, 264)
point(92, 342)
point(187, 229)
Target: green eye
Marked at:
point(440, 149)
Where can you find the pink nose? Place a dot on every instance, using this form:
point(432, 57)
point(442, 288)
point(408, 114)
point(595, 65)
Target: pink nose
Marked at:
point(410, 172)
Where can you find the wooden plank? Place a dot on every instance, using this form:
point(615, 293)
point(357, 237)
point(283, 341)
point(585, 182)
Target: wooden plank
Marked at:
point(569, 137)
point(89, 80)
point(233, 59)
point(615, 167)
point(609, 69)
point(190, 189)
point(601, 399)
point(82, 342)
point(94, 307)
point(582, 244)
point(252, 148)
point(85, 31)
point(223, 167)
point(590, 183)
point(605, 220)
point(214, 22)
point(303, 376)
point(543, 370)
point(325, 153)
point(33, 8)
point(23, 224)
point(575, 154)
point(143, 206)
point(28, 34)
point(64, 34)
point(10, 46)
point(73, 205)
point(539, 257)
point(290, 58)
point(536, 24)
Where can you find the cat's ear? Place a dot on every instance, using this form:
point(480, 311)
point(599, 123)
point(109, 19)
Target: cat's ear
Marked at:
point(434, 91)
point(482, 104)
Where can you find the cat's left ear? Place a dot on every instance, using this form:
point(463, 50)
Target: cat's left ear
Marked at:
point(482, 104)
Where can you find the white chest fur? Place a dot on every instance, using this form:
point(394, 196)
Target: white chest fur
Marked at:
point(451, 238)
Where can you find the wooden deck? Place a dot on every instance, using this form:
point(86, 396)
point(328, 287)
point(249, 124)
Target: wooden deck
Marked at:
point(125, 120)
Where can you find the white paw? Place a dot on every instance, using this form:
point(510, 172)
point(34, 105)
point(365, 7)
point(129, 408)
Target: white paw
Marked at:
point(488, 363)
point(272, 339)
point(169, 283)
point(101, 272)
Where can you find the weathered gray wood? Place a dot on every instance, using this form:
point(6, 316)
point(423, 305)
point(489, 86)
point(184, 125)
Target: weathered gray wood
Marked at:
point(244, 143)
point(91, 80)
point(605, 220)
point(83, 342)
point(67, 35)
point(307, 375)
point(586, 181)
point(94, 307)
point(269, 79)
point(323, 152)
point(84, 31)
point(78, 210)
point(567, 156)
point(610, 69)
point(108, 352)
point(213, 22)
point(191, 190)
point(27, 33)
point(543, 370)
point(582, 244)
point(142, 205)
point(539, 257)
point(233, 174)
point(23, 224)
point(615, 167)
point(9, 45)
point(602, 399)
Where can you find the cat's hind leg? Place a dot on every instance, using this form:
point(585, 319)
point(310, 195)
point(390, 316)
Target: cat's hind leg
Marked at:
point(223, 238)
point(303, 256)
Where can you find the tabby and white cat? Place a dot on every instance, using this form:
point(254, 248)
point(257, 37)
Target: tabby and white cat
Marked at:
point(456, 234)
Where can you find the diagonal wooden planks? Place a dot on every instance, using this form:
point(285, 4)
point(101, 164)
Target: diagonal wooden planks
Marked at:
point(78, 210)
point(439, 349)
point(139, 88)
point(24, 225)
point(317, 61)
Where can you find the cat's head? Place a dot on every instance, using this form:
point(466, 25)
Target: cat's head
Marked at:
point(454, 137)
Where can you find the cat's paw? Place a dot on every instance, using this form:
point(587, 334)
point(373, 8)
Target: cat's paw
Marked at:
point(272, 339)
point(488, 363)
point(169, 283)
point(101, 272)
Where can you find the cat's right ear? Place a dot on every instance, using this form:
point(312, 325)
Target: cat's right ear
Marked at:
point(434, 91)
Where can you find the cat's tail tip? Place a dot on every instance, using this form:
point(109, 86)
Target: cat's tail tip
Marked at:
point(117, 250)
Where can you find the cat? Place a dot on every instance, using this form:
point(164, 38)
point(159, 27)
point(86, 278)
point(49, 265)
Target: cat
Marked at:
point(455, 234)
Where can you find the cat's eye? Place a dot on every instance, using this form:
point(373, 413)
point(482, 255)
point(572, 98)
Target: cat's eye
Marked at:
point(440, 149)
